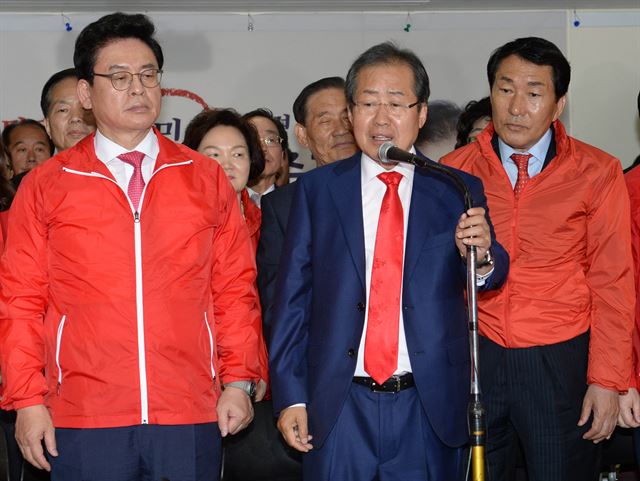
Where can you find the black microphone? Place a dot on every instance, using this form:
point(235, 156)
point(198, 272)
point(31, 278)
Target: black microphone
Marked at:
point(390, 154)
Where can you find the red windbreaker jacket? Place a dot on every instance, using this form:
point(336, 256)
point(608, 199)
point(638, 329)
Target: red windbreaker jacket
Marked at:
point(113, 317)
point(568, 238)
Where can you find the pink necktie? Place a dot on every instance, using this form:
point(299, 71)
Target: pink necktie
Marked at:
point(522, 162)
point(381, 342)
point(136, 183)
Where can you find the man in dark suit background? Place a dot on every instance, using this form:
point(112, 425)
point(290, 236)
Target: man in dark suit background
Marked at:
point(370, 296)
point(323, 127)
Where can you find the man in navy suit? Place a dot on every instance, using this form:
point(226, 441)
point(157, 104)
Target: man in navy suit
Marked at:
point(369, 343)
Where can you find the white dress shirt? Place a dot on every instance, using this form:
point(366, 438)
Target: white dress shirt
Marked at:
point(108, 151)
point(373, 190)
point(256, 197)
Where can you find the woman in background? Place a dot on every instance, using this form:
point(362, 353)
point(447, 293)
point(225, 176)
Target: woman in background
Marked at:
point(224, 136)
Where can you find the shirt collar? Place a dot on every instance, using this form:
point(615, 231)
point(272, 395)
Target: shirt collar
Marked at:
point(107, 150)
point(538, 151)
point(371, 168)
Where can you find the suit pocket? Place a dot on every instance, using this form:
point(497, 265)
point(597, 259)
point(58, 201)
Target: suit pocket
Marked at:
point(458, 351)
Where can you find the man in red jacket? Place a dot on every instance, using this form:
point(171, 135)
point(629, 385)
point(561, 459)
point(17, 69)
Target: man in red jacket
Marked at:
point(128, 297)
point(556, 345)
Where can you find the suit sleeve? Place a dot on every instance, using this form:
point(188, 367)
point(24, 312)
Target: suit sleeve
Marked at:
point(289, 331)
point(24, 300)
point(609, 275)
point(500, 256)
point(268, 259)
point(235, 298)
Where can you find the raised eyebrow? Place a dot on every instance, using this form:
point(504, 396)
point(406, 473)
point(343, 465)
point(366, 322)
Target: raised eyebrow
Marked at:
point(536, 83)
point(399, 93)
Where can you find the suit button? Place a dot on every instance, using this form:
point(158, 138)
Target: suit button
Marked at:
point(351, 352)
point(360, 306)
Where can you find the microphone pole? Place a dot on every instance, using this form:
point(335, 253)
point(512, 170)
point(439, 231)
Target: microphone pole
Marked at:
point(390, 154)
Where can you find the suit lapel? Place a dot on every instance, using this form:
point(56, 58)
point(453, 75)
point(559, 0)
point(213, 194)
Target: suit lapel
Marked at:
point(346, 192)
point(426, 201)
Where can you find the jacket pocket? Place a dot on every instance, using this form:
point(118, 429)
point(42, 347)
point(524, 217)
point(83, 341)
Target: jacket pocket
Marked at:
point(211, 365)
point(58, 345)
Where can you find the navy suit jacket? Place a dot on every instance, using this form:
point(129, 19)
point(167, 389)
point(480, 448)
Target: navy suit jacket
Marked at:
point(320, 298)
point(275, 208)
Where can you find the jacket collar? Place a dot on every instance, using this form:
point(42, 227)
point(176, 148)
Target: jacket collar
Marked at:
point(83, 157)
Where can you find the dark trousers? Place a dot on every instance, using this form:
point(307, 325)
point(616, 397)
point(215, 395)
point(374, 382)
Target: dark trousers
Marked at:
point(535, 395)
point(382, 437)
point(138, 453)
point(259, 452)
point(14, 457)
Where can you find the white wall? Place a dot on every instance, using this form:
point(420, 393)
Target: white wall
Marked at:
point(605, 57)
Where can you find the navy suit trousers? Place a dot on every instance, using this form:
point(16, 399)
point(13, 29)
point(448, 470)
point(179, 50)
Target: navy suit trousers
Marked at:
point(382, 437)
point(146, 452)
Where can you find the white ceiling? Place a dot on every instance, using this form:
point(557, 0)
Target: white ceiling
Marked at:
point(33, 6)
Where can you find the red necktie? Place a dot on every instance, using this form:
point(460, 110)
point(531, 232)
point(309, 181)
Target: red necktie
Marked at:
point(522, 162)
point(136, 183)
point(381, 342)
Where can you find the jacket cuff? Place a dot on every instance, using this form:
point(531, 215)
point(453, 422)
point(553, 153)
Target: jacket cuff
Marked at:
point(25, 403)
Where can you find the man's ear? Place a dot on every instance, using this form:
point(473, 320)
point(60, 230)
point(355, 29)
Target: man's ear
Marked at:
point(47, 127)
point(301, 135)
point(560, 104)
point(423, 114)
point(84, 93)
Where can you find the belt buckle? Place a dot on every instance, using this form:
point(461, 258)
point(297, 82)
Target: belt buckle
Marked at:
point(397, 380)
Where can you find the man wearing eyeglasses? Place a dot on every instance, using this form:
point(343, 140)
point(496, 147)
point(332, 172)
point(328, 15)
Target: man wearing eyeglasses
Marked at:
point(127, 292)
point(274, 142)
point(369, 343)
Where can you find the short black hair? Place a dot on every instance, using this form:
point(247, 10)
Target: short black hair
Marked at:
point(208, 119)
point(388, 53)
point(112, 27)
point(6, 135)
point(56, 78)
point(300, 104)
point(473, 111)
point(268, 114)
point(441, 122)
point(538, 51)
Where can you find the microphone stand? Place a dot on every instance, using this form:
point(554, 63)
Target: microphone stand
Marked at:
point(475, 412)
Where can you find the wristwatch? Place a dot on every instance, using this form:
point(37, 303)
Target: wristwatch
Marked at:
point(247, 386)
point(487, 261)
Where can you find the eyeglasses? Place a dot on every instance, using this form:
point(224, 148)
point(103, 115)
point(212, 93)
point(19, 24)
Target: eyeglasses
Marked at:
point(393, 108)
point(271, 141)
point(122, 80)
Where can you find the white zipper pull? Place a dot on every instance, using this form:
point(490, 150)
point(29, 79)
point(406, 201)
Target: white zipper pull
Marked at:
point(136, 217)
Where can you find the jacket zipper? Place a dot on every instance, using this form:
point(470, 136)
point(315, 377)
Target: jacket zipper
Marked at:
point(58, 344)
point(213, 371)
point(142, 362)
